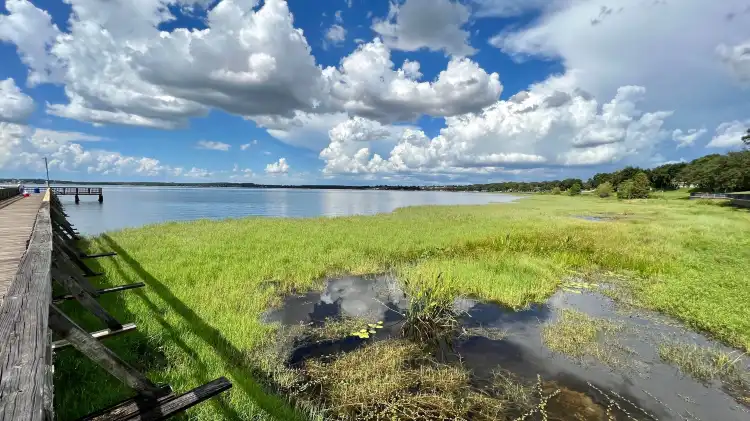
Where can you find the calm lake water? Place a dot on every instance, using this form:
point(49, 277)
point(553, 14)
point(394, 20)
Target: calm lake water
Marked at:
point(126, 207)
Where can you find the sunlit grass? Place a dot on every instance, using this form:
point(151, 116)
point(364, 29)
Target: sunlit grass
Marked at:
point(208, 281)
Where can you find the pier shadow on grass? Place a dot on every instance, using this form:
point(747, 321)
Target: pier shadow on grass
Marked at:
point(103, 390)
point(99, 387)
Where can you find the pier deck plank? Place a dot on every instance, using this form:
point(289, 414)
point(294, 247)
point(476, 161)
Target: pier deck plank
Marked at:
point(16, 224)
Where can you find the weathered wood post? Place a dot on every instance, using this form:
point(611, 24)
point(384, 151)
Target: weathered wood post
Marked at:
point(77, 200)
point(101, 196)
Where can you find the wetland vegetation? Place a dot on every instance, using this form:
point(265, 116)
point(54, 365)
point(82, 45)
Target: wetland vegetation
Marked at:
point(209, 283)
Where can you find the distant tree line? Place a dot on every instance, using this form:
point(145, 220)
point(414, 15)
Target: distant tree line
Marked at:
point(209, 184)
point(711, 173)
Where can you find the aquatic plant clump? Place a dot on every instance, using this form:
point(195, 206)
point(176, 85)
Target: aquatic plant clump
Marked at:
point(579, 335)
point(399, 380)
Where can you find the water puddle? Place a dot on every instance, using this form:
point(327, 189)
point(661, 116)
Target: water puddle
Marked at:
point(642, 386)
point(593, 218)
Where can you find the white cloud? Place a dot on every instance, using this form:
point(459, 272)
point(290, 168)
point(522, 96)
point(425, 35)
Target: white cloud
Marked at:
point(33, 32)
point(367, 84)
point(729, 134)
point(279, 167)
point(304, 130)
point(553, 123)
point(508, 8)
point(336, 34)
point(118, 68)
point(339, 18)
point(241, 173)
point(213, 145)
point(687, 139)
point(24, 147)
point(15, 106)
point(247, 146)
point(678, 65)
point(432, 24)
point(737, 59)
point(197, 173)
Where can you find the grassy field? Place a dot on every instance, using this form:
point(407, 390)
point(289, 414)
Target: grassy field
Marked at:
point(208, 282)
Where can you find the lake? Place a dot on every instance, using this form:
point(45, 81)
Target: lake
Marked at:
point(126, 207)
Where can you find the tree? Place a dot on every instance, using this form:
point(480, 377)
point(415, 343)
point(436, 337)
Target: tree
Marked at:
point(625, 190)
point(624, 174)
point(556, 190)
point(604, 189)
point(575, 190)
point(664, 177)
point(641, 187)
point(600, 178)
point(746, 138)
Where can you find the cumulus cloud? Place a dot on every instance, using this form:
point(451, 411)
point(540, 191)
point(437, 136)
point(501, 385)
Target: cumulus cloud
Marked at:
point(737, 59)
point(435, 25)
point(336, 34)
point(117, 67)
point(213, 145)
point(278, 167)
point(306, 130)
point(24, 147)
point(688, 138)
point(553, 123)
point(15, 106)
point(662, 55)
point(33, 33)
point(729, 134)
point(368, 84)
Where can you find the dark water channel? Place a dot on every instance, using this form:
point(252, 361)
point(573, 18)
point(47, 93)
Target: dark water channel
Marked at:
point(660, 390)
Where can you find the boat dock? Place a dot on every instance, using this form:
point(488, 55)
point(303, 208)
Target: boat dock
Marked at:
point(38, 246)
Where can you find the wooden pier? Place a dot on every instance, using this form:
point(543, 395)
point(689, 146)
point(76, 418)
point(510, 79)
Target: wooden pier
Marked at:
point(79, 191)
point(37, 247)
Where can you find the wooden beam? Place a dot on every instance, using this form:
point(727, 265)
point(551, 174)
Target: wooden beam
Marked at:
point(163, 408)
point(59, 218)
point(85, 299)
point(25, 378)
point(62, 264)
point(61, 298)
point(100, 354)
point(73, 256)
point(96, 256)
point(98, 335)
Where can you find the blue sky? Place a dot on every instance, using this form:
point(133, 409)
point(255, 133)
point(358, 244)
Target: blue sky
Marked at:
point(361, 92)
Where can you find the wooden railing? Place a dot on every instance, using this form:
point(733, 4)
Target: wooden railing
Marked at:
point(701, 195)
point(25, 346)
point(29, 315)
point(82, 191)
point(8, 192)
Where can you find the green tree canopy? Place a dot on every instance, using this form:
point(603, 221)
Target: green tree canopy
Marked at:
point(641, 186)
point(604, 189)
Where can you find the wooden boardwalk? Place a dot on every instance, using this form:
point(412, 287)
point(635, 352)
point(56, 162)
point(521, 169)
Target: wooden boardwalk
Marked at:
point(17, 216)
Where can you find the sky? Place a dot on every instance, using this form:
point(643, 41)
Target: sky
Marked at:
point(366, 91)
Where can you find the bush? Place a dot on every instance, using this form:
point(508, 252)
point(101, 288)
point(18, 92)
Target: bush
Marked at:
point(604, 190)
point(625, 190)
point(575, 190)
point(641, 186)
point(556, 190)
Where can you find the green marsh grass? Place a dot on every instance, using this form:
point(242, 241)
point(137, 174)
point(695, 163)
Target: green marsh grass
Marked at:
point(208, 282)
